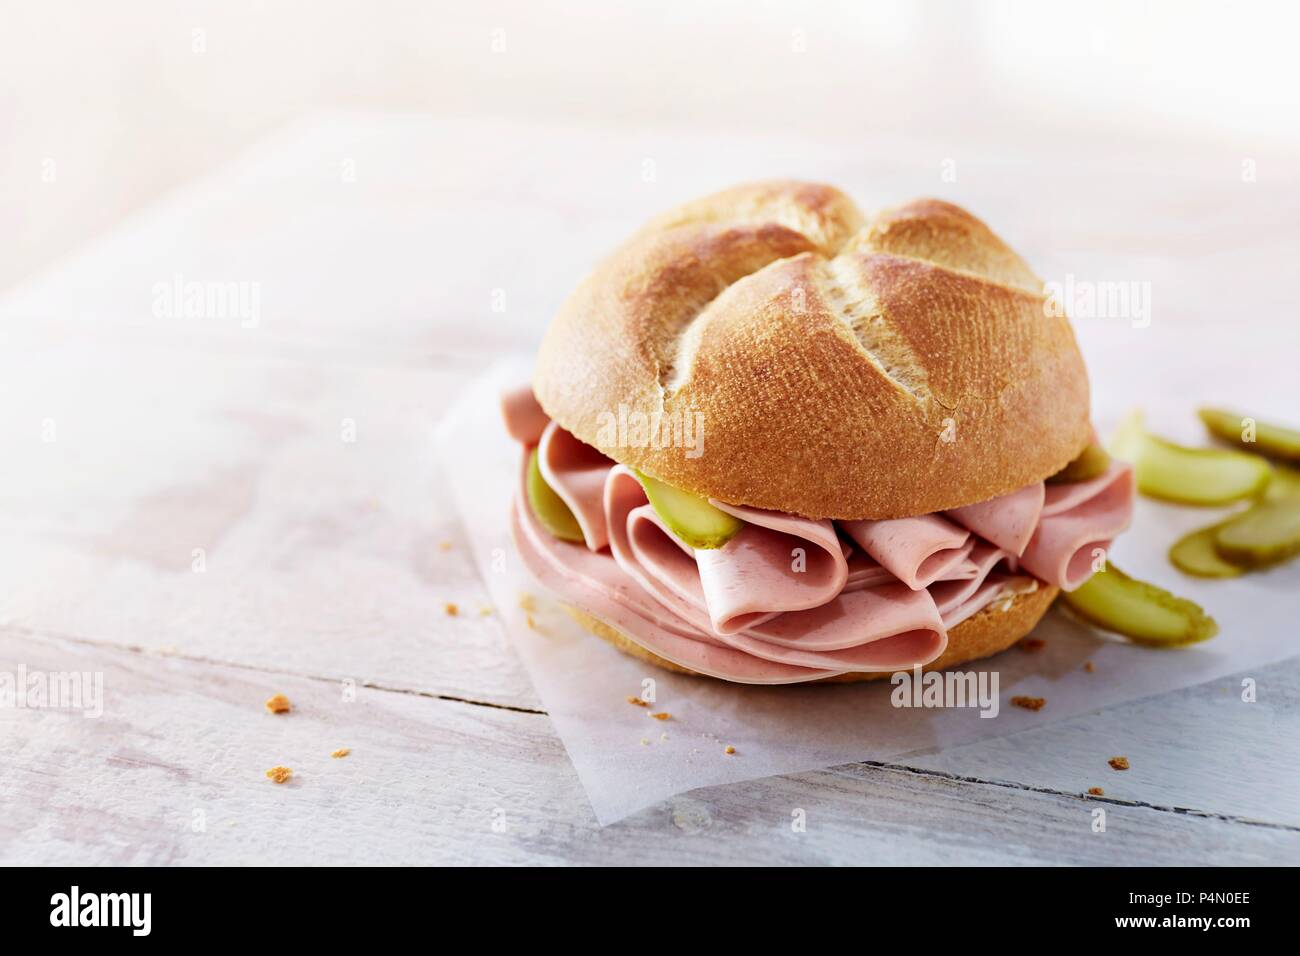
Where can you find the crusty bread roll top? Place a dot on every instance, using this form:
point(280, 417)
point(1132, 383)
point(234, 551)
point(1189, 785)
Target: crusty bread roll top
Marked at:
point(841, 366)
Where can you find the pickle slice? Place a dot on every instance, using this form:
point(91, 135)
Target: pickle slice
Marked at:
point(1265, 534)
point(549, 508)
point(1127, 441)
point(1285, 484)
point(1275, 441)
point(1196, 554)
point(1192, 476)
point(1093, 461)
point(1140, 611)
point(690, 517)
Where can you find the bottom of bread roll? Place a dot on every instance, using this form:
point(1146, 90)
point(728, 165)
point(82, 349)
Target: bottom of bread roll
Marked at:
point(993, 629)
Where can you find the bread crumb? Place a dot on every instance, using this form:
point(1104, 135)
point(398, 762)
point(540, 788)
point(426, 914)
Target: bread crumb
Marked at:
point(446, 545)
point(484, 612)
point(729, 749)
point(451, 609)
point(645, 741)
point(1118, 763)
point(661, 716)
point(279, 704)
point(1096, 792)
point(527, 603)
point(636, 701)
point(279, 774)
point(528, 619)
point(341, 752)
point(1032, 644)
point(1089, 667)
point(1029, 703)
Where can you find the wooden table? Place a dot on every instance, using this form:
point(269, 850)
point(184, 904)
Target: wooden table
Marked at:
point(209, 509)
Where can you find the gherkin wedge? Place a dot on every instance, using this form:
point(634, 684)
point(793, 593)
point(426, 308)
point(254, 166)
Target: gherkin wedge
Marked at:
point(1140, 611)
point(1275, 441)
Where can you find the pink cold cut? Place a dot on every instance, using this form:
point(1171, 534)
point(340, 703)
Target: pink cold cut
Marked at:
point(792, 599)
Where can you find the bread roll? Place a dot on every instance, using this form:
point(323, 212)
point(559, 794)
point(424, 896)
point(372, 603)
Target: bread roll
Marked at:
point(841, 366)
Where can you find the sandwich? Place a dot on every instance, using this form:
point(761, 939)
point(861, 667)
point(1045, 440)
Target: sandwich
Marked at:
point(773, 440)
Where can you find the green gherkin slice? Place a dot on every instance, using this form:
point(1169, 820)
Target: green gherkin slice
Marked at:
point(548, 507)
point(1285, 484)
point(1193, 476)
point(1275, 441)
point(689, 516)
point(1266, 534)
point(1196, 554)
point(1140, 611)
point(1092, 462)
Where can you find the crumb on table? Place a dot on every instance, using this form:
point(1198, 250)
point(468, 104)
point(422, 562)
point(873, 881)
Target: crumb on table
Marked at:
point(279, 774)
point(1118, 763)
point(1096, 792)
point(341, 752)
point(279, 704)
point(729, 749)
point(1029, 703)
point(1032, 644)
point(664, 715)
point(1089, 666)
point(636, 701)
point(451, 609)
point(445, 545)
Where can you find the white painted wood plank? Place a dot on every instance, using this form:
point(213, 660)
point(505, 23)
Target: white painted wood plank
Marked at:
point(173, 772)
point(1201, 747)
point(424, 235)
point(259, 510)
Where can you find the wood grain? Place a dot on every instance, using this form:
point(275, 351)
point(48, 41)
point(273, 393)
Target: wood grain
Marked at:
point(173, 772)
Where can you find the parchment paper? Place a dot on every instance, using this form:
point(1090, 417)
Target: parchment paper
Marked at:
point(627, 760)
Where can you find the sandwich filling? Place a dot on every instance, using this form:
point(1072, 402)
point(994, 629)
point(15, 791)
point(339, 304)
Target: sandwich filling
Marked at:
point(787, 598)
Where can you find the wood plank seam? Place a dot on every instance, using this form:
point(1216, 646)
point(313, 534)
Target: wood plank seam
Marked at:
point(1085, 798)
point(37, 634)
point(841, 769)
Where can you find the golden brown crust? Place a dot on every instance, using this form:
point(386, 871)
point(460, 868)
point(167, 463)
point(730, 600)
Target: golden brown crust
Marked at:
point(843, 368)
point(990, 631)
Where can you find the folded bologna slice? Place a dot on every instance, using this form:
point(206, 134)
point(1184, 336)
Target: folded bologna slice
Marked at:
point(777, 563)
point(779, 615)
point(917, 551)
point(576, 472)
point(524, 418)
point(791, 591)
point(886, 629)
point(1007, 521)
point(1078, 523)
point(592, 585)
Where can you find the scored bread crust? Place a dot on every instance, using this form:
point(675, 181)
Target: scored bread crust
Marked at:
point(842, 367)
point(983, 634)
